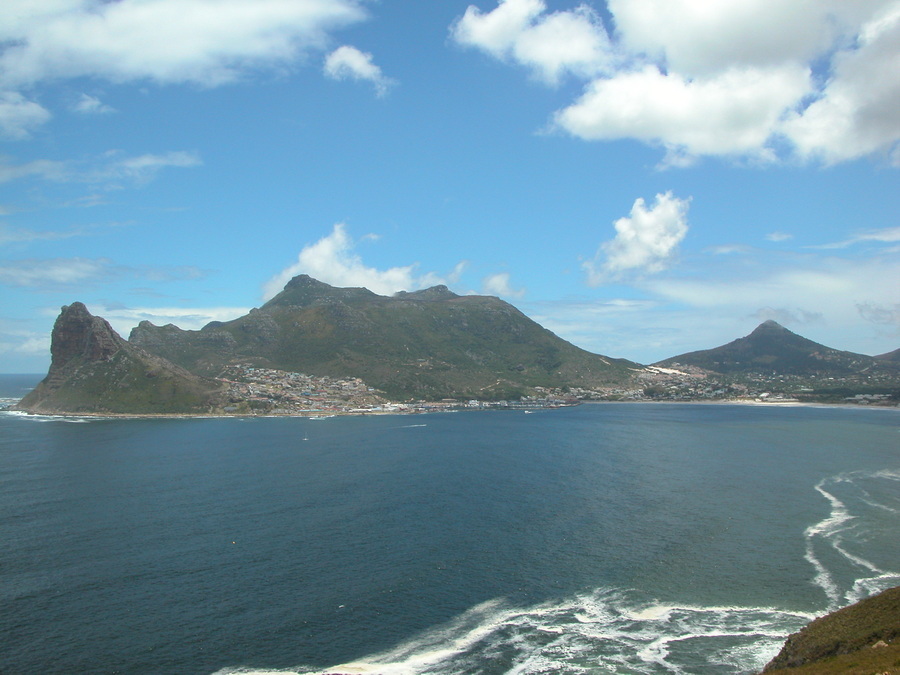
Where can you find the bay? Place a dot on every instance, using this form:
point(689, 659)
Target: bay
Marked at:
point(609, 538)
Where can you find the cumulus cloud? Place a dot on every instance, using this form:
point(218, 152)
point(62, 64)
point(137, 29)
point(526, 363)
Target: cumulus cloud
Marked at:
point(702, 38)
point(855, 114)
point(645, 241)
point(813, 80)
point(350, 63)
point(205, 42)
point(333, 260)
point(19, 116)
point(550, 44)
point(731, 113)
point(499, 284)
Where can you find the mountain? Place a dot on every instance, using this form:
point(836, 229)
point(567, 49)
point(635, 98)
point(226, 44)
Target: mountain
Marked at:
point(94, 370)
point(772, 349)
point(857, 640)
point(426, 344)
point(893, 357)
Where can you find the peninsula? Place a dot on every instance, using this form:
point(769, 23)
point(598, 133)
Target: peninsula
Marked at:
point(315, 349)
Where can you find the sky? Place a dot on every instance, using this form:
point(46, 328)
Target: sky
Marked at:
point(642, 177)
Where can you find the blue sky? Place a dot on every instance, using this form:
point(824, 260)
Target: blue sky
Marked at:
point(643, 177)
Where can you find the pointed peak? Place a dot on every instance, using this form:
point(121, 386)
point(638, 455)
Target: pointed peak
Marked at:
point(770, 325)
point(306, 281)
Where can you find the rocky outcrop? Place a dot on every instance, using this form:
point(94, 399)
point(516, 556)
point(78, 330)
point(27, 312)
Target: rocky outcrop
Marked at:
point(861, 638)
point(80, 336)
point(93, 370)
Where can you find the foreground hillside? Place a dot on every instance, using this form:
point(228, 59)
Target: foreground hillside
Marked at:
point(858, 640)
point(428, 344)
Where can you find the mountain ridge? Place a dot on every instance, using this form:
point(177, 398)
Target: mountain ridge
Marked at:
point(425, 344)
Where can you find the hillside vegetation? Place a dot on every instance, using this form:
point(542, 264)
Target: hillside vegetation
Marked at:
point(858, 640)
point(428, 344)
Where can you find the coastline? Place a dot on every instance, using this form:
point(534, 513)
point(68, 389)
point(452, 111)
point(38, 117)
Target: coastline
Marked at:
point(320, 415)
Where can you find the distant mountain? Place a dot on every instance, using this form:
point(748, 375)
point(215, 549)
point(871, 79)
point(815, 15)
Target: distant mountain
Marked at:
point(94, 370)
point(893, 357)
point(773, 349)
point(426, 344)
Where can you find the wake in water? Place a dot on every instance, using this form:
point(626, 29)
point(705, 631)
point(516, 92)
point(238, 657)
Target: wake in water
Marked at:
point(625, 632)
point(862, 504)
point(49, 418)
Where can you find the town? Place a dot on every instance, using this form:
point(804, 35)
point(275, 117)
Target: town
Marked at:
point(266, 391)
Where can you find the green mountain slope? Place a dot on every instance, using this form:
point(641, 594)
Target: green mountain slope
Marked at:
point(428, 344)
point(93, 370)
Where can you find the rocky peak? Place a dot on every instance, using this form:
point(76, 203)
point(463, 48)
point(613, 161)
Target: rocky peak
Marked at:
point(433, 294)
point(79, 334)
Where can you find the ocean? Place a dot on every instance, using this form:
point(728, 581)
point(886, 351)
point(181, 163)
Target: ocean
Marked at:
point(604, 538)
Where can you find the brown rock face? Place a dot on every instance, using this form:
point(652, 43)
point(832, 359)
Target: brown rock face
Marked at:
point(78, 333)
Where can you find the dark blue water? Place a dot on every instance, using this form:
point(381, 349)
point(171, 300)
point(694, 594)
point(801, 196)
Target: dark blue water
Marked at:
point(638, 538)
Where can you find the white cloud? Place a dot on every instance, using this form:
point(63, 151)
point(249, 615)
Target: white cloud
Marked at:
point(206, 42)
point(779, 236)
point(19, 116)
point(24, 343)
point(736, 79)
point(56, 273)
point(112, 166)
point(550, 44)
point(887, 235)
point(13, 235)
point(731, 113)
point(53, 272)
point(334, 261)
point(856, 112)
point(696, 37)
point(123, 319)
point(144, 167)
point(91, 105)
point(350, 63)
point(645, 241)
point(499, 284)
point(787, 317)
point(817, 285)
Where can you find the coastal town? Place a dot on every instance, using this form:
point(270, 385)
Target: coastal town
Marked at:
point(266, 391)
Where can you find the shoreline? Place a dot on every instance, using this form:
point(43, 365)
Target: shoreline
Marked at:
point(320, 415)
